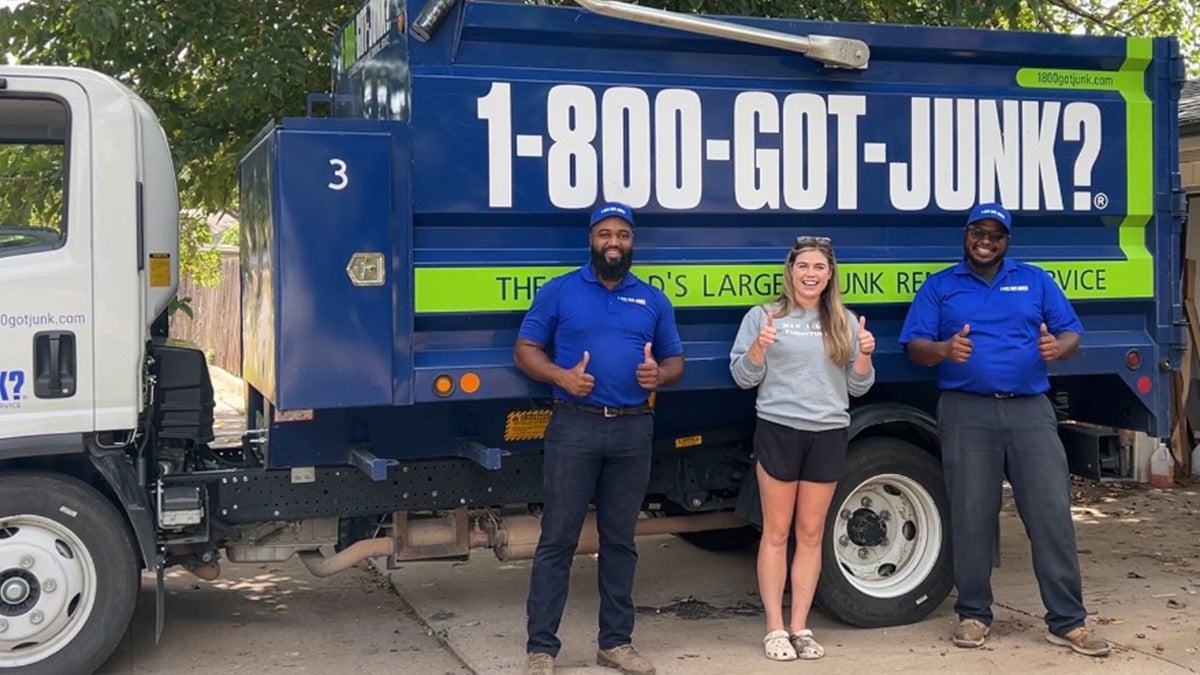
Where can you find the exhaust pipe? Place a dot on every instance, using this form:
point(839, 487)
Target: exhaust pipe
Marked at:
point(834, 52)
point(418, 539)
point(320, 566)
point(516, 537)
point(510, 538)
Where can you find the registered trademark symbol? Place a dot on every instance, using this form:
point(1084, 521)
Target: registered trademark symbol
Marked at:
point(1100, 200)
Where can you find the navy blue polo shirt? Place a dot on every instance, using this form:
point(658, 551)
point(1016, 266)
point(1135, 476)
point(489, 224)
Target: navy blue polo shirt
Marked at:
point(576, 313)
point(1005, 319)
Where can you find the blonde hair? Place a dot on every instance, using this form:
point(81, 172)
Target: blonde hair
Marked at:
point(835, 326)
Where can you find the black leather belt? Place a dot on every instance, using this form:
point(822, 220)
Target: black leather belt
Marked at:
point(606, 411)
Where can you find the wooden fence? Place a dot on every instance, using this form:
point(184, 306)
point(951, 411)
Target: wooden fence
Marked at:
point(216, 326)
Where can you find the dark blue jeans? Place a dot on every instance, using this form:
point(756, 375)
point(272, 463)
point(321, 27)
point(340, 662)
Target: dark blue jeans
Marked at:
point(985, 439)
point(589, 457)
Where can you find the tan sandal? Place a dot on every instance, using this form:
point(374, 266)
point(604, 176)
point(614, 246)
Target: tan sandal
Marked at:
point(807, 649)
point(778, 647)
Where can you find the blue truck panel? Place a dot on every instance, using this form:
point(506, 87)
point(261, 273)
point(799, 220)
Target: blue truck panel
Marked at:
point(487, 145)
point(258, 192)
point(333, 332)
point(316, 326)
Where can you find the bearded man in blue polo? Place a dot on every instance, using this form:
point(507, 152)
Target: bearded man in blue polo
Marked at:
point(991, 325)
point(614, 342)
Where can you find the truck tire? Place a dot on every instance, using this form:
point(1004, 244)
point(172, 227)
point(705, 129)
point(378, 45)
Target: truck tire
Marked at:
point(886, 558)
point(734, 539)
point(68, 575)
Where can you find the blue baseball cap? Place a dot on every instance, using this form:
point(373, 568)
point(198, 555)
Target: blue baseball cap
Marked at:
point(609, 210)
point(994, 211)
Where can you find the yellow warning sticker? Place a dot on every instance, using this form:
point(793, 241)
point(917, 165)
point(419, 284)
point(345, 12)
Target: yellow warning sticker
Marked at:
point(160, 270)
point(526, 425)
point(688, 441)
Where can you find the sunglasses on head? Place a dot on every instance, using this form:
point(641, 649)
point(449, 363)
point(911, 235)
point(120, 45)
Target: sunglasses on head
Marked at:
point(807, 240)
point(991, 235)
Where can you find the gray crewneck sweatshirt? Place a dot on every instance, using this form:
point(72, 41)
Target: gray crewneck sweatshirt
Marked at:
point(798, 386)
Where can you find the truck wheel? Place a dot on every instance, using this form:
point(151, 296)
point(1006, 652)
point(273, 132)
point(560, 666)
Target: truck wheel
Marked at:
point(734, 539)
point(68, 576)
point(886, 558)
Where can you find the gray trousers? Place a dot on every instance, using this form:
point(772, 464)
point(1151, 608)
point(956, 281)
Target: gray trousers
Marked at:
point(984, 439)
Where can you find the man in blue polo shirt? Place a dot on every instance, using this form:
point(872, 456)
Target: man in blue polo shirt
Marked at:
point(614, 341)
point(990, 325)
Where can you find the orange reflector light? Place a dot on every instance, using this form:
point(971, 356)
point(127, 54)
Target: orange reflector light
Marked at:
point(443, 385)
point(469, 383)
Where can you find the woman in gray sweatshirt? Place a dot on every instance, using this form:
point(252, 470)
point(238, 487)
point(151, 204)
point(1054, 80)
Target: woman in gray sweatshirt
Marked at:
point(807, 354)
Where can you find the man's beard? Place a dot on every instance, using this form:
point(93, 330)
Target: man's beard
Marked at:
point(611, 271)
point(993, 264)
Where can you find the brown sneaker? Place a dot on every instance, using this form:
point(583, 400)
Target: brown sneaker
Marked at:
point(1082, 640)
point(970, 633)
point(539, 664)
point(625, 659)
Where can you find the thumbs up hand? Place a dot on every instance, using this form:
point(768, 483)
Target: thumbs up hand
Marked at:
point(757, 353)
point(577, 381)
point(647, 370)
point(866, 340)
point(766, 336)
point(961, 346)
point(1048, 345)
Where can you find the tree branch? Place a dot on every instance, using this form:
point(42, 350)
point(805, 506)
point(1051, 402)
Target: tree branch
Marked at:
point(1039, 13)
point(1133, 17)
point(1082, 13)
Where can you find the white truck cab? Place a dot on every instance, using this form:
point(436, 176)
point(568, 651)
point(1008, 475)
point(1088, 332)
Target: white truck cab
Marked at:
point(88, 265)
point(88, 251)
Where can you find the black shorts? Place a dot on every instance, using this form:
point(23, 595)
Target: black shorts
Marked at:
point(789, 454)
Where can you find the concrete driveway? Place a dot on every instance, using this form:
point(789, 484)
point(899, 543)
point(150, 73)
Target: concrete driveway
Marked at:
point(699, 611)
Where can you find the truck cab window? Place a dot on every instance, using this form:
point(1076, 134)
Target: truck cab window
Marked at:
point(33, 144)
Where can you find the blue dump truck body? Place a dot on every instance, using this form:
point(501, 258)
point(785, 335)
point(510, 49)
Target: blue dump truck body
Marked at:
point(390, 249)
point(392, 239)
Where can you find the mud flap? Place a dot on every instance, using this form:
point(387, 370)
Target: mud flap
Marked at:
point(122, 477)
point(749, 505)
point(123, 480)
point(160, 611)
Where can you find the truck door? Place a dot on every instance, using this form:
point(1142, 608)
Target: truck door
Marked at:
point(46, 308)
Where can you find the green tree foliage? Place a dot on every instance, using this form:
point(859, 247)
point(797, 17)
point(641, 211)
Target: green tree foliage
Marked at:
point(214, 71)
point(1145, 18)
point(32, 179)
point(917, 12)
